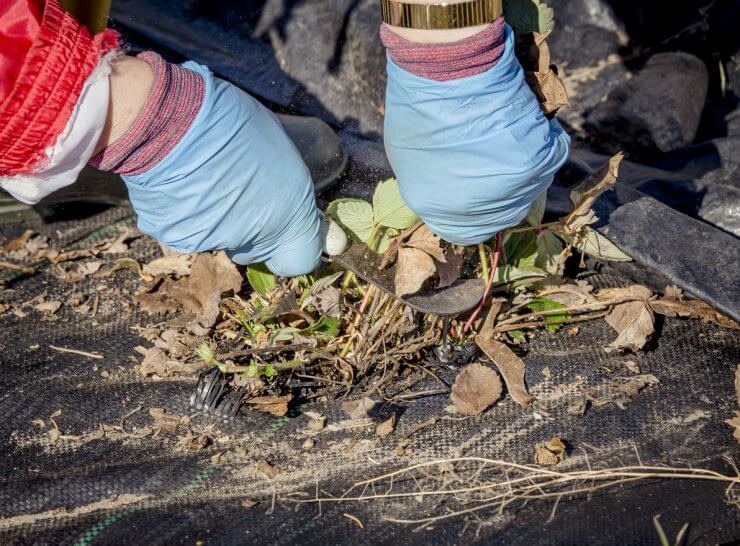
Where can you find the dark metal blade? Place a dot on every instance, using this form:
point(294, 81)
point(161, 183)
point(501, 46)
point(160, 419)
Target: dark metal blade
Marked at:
point(461, 296)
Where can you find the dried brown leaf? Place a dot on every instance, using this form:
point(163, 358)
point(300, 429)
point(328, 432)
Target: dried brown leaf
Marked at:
point(386, 427)
point(549, 453)
point(634, 322)
point(328, 302)
point(476, 387)
point(19, 243)
point(358, 409)
point(549, 90)
point(49, 307)
point(119, 246)
point(449, 270)
point(632, 386)
point(585, 194)
point(178, 264)
point(734, 422)
point(413, 268)
point(697, 309)
point(316, 421)
point(427, 241)
point(267, 469)
point(509, 364)
point(274, 405)
point(82, 271)
point(166, 421)
point(156, 362)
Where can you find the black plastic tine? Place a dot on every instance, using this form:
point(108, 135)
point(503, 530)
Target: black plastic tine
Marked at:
point(229, 406)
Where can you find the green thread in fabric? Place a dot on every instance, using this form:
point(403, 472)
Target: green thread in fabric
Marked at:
point(88, 536)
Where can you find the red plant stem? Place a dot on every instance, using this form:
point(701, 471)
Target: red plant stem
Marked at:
point(494, 265)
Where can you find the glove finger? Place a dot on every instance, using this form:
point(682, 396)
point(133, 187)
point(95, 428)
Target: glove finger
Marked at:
point(299, 256)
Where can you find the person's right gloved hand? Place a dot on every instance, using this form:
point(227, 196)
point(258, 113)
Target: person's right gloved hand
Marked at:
point(471, 154)
point(234, 181)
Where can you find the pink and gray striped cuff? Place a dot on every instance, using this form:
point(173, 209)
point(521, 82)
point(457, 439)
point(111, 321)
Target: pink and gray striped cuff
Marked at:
point(447, 61)
point(173, 103)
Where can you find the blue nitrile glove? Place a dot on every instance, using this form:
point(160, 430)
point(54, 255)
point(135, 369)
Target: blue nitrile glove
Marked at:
point(471, 155)
point(236, 182)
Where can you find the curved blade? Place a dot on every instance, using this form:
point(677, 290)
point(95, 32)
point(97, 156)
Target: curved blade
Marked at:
point(458, 298)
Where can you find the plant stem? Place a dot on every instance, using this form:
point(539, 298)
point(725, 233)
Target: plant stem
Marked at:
point(483, 260)
point(494, 264)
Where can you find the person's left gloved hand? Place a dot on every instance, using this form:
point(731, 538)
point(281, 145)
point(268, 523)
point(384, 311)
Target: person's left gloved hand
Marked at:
point(236, 182)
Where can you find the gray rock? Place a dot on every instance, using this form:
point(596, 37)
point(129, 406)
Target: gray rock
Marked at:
point(657, 110)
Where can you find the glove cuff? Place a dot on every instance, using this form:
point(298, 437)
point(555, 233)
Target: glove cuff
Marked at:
point(173, 103)
point(447, 61)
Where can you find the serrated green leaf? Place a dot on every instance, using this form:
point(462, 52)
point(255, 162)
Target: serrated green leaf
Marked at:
point(597, 246)
point(389, 210)
point(537, 212)
point(549, 248)
point(327, 326)
point(508, 274)
point(260, 278)
point(553, 322)
point(270, 370)
point(520, 249)
point(354, 215)
point(526, 16)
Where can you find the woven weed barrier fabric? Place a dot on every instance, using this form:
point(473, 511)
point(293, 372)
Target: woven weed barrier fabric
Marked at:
point(75, 470)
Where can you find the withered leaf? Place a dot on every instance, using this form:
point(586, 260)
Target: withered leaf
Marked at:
point(633, 321)
point(177, 264)
point(386, 427)
point(577, 405)
point(192, 441)
point(358, 409)
point(49, 307)
point(316, 421)
point(417, 260)
point(156, 362)
point(476, 387)
point(549, 453)
point(449, 270)
point(632, 386)
point(82, 271)
point(735, 422)
point(697, 309)
point(18, 243)
point(425, 240)
point(166, 421)
point(267, 469)
point(274, 405)
point(549, 89)
point(413, 268)
point(510, 366)
point(119, 246)
point(585, 194)
point(327, 302)
point(199, 293)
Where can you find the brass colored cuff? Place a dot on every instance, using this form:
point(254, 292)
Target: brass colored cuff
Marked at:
point(440, 16)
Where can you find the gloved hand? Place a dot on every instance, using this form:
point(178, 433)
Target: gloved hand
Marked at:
point(472, 154)
point(235, 181)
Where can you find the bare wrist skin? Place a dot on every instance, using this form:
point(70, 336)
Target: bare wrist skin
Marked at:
point(131, 82)
point(436, 36)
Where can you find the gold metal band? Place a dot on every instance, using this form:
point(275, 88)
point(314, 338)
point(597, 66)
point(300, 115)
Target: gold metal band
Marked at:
point(440, 16)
